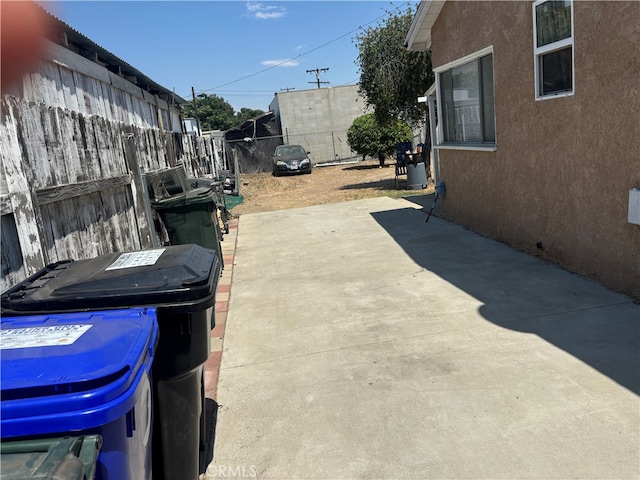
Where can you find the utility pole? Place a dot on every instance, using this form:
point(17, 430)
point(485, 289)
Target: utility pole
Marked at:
point(287, 89)
point(317, 72)
point(195, 112)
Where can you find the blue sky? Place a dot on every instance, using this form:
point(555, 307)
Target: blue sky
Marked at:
point(242, 51)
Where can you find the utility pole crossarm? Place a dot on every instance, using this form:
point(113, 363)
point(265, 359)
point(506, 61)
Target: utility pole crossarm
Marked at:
point(317, 72)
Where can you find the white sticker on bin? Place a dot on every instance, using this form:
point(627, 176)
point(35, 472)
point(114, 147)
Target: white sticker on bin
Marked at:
point(30, 337)
point(136, 259)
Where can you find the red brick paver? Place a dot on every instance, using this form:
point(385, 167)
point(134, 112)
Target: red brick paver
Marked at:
point(223, 292)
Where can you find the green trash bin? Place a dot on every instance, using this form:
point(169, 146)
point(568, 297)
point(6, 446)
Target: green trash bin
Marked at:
point(192, 217)
point(66, 458)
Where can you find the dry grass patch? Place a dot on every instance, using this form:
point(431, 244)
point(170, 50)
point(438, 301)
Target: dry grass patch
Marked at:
point(263, 192)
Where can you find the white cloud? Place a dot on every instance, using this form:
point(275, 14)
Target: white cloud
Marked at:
point(265, 12)
point(280, 63)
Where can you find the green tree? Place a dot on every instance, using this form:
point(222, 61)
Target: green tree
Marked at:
point(391, 77)
point(247, 114)
point(367, 136)
point(214, 112)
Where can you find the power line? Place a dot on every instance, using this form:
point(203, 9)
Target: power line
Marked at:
point(360, 27)
point(245, 91)
point(249, 94)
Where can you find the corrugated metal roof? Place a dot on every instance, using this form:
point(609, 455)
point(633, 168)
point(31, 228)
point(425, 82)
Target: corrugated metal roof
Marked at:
point(75, 41)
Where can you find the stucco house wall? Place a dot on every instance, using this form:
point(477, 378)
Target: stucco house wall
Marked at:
point(319, 119)
point(558, 183)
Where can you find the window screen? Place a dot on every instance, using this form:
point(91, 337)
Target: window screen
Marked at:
point(466, 93)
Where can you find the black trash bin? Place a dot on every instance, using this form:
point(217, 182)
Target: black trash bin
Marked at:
point(180, 281)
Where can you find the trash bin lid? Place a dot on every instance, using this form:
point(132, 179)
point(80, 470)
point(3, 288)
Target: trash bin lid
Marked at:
point(72, 371)
point(195, 196)
point(180, 276)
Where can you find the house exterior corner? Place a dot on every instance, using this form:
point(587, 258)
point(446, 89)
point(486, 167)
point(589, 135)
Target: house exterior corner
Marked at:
point(556, 181)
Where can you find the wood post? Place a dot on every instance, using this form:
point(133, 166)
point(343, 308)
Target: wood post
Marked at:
point(139, 192)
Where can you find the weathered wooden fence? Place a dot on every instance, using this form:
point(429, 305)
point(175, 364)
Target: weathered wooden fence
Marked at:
point(71, 184)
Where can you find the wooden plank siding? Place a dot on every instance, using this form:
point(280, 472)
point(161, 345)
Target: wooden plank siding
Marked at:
point(22, 252)
point(74, 148)
point(75, 83)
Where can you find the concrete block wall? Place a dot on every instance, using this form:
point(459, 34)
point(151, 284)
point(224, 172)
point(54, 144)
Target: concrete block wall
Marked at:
point(319, 119)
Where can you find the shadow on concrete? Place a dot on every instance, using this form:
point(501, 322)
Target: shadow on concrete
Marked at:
point(523, 293)
point(425, 201)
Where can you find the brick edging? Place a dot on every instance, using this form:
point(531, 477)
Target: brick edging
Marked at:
point(223, 292)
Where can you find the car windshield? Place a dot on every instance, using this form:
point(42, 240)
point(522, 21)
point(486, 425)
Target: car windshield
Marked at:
point(290, 150)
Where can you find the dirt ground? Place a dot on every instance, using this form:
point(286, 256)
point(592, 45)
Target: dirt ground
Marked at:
point(262, 192)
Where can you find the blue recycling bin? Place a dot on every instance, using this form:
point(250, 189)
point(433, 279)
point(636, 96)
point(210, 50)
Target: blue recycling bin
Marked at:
point(82, 373)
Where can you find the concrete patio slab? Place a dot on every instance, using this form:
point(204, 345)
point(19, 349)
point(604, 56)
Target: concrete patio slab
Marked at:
point(361, 342)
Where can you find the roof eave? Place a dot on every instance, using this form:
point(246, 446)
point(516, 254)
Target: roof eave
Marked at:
point(419, 35)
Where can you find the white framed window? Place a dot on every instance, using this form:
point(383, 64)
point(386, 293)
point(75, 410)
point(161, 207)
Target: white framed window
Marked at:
point(553, 48)
point(465, 93)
